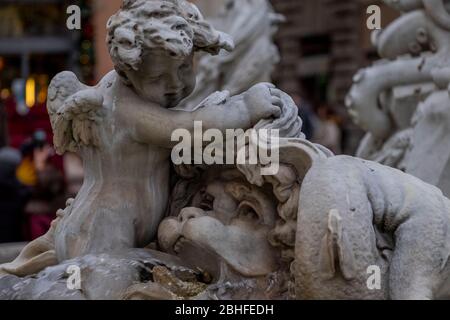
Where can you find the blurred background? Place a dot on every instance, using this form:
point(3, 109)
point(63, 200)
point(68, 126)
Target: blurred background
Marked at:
point(322, 45)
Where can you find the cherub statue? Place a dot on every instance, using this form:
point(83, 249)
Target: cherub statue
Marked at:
point(122, 129)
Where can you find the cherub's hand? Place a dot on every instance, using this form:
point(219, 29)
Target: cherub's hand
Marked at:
point(263, 101)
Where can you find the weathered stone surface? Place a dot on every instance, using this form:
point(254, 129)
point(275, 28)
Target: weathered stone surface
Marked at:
point(363, 216)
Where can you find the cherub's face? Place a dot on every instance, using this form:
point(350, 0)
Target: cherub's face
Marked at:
point(163, 80)
point(233, 231)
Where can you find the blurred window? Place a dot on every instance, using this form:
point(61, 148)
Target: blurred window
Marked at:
point(315, 45)
point(32, 19)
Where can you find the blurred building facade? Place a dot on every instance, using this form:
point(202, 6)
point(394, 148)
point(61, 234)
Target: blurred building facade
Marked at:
point(101, 11)
point(35, 44)
point(323, 44)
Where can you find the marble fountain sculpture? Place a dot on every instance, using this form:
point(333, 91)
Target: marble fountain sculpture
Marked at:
point(402, 101)
point(142, 228)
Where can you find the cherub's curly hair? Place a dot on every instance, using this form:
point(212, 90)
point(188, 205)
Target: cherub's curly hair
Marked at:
point(173, 26)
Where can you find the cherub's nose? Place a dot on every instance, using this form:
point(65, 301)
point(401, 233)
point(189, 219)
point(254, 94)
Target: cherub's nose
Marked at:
point(190, 213)
point(174, 83)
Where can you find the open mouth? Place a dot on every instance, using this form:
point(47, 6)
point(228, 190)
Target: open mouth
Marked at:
point(197, 257)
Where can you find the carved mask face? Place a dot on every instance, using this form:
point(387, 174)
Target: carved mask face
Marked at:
point(163, 79)
point(234, 229)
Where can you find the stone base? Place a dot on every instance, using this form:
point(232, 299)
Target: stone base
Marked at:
point(121, 275)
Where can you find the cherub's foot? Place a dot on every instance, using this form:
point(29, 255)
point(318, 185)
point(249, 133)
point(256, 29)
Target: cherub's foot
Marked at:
point(38, 254)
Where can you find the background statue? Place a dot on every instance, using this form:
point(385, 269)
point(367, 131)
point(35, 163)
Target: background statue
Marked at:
point(402, 101)
point(252, 24)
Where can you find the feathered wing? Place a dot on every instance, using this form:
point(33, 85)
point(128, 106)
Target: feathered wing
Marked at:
point(74, 110)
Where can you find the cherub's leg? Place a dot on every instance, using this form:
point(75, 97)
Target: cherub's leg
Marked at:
point(37, 255)
point(415, 264)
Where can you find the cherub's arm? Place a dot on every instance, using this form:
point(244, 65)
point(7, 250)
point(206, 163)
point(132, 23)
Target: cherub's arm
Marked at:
point(155, 125)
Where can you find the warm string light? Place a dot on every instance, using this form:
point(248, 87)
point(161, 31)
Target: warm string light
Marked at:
point(30, 92)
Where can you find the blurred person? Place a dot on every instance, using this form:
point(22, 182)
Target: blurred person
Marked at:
point(46, 182)
point(3, 124)
point(327, 131)
point(13, 197)
point(307, 115)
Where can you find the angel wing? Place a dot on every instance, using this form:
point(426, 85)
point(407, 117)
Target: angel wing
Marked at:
point(75, 110)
